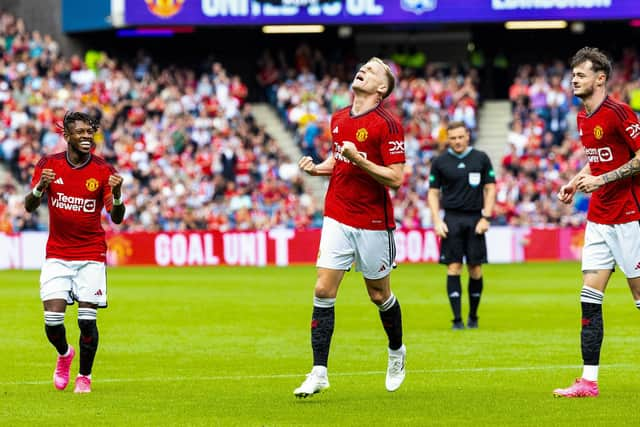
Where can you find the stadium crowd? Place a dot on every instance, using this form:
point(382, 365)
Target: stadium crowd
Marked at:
point(194, 157)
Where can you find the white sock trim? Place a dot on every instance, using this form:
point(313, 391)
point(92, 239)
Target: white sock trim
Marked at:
point(319, 370)
point(324, 302)
point(591, 295)
point(53, 318)
point(590, 372)
point(388, 303)
point(87, 314)
point(399, 352)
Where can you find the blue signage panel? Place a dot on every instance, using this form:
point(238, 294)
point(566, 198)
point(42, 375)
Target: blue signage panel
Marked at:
point(259, 12)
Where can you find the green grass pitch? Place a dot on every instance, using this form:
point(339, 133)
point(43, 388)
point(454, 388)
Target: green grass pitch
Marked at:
point(227, 346)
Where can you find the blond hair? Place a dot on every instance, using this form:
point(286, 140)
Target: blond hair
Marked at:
point(391, 79)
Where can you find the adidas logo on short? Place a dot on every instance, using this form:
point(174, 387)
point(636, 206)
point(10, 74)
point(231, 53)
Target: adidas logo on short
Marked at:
point(59, 181)
point(99, 292)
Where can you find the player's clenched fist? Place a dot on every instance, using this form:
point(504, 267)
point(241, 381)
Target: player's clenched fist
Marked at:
point(349, 150)
point(306, 164)
point(565, 195)
point(48, 175)
point(115, 182)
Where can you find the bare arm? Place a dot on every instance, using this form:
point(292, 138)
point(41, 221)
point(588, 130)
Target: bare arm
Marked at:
point(590, 183)
point(489, 193)
point(31, 200)
point(433, 198)
point(567, 191)
point(489, 199)
point(324, 168)
point(390, 176)
point(117, 211)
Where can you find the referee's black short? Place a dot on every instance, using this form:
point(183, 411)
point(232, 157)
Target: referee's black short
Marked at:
point(462, 240)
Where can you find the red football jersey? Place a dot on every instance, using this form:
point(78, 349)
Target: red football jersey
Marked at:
point(75, 199)
point(611, 136)
point(354, 198)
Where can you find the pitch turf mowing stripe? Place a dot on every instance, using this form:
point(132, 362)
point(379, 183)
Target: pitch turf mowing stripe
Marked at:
point(332, 374)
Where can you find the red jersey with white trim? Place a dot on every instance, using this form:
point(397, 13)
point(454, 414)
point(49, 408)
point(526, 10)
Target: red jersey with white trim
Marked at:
point(354, 198)
point(75, 199)
point(611, 136)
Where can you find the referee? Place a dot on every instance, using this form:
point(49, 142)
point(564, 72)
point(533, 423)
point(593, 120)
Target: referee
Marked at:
point(465, 179)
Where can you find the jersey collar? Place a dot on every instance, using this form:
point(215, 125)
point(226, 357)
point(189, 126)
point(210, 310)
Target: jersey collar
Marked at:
point(597, 108)
point(81, 165)
point(464, 154)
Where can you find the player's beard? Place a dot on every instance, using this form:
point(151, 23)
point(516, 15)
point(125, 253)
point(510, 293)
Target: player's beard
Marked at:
point(587, 92)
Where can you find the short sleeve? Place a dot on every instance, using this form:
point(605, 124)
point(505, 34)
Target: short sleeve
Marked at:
point(37, 171)
point(392, 140)
point(489, 175)
point(630, 129)
point(107, 196)
point(435, 177)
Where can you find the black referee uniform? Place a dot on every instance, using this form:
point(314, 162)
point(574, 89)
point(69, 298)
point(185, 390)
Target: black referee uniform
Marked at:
point(461, 180)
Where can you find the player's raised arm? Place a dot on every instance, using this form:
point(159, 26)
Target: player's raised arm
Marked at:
point(118, 209)
point(33, 198)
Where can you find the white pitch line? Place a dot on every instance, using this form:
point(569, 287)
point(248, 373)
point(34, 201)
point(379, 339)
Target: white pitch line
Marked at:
point(333, 374)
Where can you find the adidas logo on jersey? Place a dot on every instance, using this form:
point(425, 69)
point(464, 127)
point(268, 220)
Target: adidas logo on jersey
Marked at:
point(99, 292)
point(59, 181)
point(335, 129)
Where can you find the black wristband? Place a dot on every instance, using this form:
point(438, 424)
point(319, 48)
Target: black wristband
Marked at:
point(488, 218)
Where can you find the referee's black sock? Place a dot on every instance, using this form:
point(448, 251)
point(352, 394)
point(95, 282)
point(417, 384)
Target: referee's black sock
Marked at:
point(454, 290)
point(322, 323)
point(475, 292)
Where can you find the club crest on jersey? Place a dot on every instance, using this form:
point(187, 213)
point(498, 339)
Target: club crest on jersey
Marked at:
point(92, 184)
point(598, 132)
point(362, 135)
point(164, 8)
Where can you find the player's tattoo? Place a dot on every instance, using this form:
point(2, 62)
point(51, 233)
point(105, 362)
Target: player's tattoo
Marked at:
point(630, 168)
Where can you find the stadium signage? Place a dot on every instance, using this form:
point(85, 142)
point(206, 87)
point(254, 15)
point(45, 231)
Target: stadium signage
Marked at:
point(336, 12)
point(549, 4)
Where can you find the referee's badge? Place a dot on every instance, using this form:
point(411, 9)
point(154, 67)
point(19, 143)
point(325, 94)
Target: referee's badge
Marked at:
point(474, 179)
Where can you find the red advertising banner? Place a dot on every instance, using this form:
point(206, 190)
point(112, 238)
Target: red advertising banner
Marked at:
point(283, 247)
point(273, 247)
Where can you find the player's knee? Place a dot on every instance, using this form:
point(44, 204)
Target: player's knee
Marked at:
point(378, 297)
point(322, 290)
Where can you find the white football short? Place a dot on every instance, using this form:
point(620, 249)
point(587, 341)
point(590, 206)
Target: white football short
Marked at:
point(84, 281)
point(373, 251)
point(607, 245)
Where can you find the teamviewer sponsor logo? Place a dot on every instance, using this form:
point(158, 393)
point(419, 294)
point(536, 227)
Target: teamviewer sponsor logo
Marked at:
point(597, 155)
point(75, 204)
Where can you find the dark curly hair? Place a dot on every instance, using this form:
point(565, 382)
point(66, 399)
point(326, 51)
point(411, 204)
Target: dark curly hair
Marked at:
point(70, 117)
